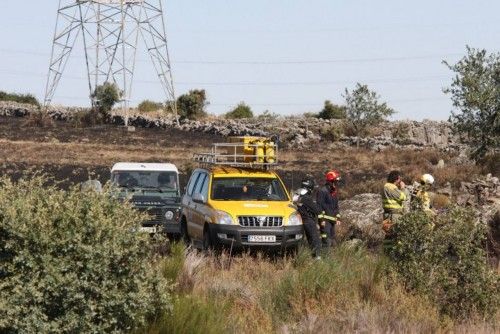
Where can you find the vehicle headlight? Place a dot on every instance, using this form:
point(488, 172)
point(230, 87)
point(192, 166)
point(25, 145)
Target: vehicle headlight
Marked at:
point(294, 219)
point(223, 218)
point(169, 215)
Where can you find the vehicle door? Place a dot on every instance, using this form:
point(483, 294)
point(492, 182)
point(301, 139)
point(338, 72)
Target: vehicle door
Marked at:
point(199, 205)
point(187, 200)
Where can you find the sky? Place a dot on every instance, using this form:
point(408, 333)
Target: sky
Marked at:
point(287, 57)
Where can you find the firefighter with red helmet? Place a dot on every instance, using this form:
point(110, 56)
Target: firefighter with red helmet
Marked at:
point(328, 201)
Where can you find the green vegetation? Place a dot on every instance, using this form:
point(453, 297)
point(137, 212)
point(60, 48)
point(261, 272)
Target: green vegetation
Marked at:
point(445, 260)
point(19, 98)
point(363, 109)
point(351, 289)
point(475, 92)
point(192, 105)
point(70, 262)
point(332, 132)
point(150, 106)
point(106, 96)
point(242, 110)
point(332, 111)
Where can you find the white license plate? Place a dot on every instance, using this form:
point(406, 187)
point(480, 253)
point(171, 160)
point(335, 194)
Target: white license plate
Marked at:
point(147, 229)
point(261, 238)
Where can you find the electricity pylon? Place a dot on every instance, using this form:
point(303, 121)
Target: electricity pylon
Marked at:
point(110, 32)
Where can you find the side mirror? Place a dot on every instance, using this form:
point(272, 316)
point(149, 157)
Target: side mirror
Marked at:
point(199, 198)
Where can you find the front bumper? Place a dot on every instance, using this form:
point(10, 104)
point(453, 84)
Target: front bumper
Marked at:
point(237, 236)
point(172, 227)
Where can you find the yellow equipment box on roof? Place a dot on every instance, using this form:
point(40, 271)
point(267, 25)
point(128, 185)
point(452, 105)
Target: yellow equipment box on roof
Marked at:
point(246, 151)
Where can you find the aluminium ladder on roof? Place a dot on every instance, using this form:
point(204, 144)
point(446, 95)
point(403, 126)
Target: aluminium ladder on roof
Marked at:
point(233, 154)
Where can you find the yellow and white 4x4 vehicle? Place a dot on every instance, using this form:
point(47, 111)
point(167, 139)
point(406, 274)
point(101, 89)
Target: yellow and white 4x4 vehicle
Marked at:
point(237, 202)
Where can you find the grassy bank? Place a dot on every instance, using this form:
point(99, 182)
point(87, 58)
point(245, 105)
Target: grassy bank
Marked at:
point(350, 290)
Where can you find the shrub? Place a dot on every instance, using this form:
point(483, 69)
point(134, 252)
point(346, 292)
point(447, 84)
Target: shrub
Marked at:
point(150, 106)
point(192, 105)
point(39, 118)
point(71, 262)
point(85, 118)
point(447, 263)
point(19, 98)
point(401, 133)
point(242, 110)
point(331, 133)
point(332, 111)
point(106, 96)
point(310, 114)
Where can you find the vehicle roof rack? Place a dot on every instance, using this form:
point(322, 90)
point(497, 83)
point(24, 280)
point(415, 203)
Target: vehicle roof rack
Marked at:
point(259, 154)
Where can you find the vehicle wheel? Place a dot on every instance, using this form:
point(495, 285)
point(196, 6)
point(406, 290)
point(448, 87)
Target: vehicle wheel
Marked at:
point(184, 232)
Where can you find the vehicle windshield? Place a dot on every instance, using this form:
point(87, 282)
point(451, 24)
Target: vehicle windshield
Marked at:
point(248, 189)
point(156, 181)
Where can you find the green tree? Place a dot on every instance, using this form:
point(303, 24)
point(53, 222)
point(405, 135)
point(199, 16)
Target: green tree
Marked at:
point(242, 110)
point(332, 111)
point(475, 92)
point(363, 109)
point(106, 96)
point(192, 105)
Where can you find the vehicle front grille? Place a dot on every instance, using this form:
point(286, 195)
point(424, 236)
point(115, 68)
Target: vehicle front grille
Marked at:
point(260, 221)
point(155, 215)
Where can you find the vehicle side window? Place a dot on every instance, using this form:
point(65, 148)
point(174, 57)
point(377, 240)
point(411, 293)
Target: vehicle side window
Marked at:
point(192, 183)
point(200, 183)
point(204, 189)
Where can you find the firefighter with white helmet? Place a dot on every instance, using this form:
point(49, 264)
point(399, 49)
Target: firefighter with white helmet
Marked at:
point(422, 199)
point(309, 212)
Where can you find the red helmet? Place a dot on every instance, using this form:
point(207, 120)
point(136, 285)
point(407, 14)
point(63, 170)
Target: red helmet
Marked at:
point(332, 176)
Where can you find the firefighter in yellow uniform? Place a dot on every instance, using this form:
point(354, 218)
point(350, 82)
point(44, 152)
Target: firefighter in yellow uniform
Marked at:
point(421, 199)
point(393, 197)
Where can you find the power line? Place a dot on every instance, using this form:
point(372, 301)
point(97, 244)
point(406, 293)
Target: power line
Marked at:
point(274, 62)
point(262, 83)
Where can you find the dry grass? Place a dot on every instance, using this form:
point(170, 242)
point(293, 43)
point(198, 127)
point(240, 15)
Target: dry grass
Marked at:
point(363, 170)
point(349, 291)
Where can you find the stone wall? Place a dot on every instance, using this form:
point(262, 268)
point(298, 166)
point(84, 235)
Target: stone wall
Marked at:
point(294, 132)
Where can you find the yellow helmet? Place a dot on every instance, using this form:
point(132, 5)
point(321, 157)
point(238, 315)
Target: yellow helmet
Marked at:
point(427, 179)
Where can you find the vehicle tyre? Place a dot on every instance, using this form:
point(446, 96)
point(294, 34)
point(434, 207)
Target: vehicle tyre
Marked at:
point(184, 232)
point(207, 239)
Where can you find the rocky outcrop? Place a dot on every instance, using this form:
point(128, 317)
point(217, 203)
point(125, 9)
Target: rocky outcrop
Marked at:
point(362, 214)
point(361, 218)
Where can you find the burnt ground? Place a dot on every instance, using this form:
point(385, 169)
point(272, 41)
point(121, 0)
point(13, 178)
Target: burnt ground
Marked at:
point(71, 155)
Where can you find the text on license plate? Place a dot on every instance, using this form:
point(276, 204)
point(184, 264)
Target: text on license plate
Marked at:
point(261, 238)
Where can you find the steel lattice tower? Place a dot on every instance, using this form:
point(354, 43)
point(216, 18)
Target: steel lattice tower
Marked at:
point(110, 32)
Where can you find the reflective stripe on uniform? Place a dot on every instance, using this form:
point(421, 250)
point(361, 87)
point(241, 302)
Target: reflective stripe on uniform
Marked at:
point(324, 216)
point(392, 204)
